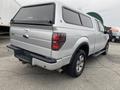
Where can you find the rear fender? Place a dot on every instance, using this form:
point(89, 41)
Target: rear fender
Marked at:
point(80, 42)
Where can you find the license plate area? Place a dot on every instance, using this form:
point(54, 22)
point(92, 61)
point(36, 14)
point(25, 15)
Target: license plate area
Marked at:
point(24, 56)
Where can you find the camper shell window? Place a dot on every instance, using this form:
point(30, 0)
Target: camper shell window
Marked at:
point(37, 14)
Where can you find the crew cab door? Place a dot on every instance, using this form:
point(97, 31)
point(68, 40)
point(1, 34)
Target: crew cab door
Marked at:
point(101, 38)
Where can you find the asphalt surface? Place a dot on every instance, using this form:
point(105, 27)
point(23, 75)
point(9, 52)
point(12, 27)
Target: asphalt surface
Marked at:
point(101, 73)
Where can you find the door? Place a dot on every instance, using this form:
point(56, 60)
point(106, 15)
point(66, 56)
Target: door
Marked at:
point(101, 38)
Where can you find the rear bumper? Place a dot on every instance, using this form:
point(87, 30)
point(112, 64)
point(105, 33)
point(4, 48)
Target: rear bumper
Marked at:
point(39, 60)
point(51, 66)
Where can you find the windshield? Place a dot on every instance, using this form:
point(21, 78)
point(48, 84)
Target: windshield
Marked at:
point(39, 14)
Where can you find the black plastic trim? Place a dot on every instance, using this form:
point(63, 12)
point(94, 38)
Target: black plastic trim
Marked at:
point(19, 54)
point(78, 48)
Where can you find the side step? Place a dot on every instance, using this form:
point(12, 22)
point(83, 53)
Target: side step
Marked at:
point(98, 53)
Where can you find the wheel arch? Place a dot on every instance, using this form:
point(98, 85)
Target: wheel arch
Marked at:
point(83, 46)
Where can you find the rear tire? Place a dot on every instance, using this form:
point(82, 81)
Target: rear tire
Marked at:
point(76, 67)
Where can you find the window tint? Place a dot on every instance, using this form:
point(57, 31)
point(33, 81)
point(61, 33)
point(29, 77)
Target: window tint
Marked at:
point(86, 21)
point(71, 17)
point(40, 14)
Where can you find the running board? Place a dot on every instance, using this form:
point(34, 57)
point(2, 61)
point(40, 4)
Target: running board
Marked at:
point(98, 53)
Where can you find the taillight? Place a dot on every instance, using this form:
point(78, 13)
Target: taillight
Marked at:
point(58, 39)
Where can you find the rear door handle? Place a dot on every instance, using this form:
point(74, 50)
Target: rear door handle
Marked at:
point(26, 36)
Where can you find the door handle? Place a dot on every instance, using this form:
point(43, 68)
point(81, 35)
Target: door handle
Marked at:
point(26, 36)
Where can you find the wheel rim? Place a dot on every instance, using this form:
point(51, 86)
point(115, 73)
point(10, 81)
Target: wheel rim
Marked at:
point(80, 63)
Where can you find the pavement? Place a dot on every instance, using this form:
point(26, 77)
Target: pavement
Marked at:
point(101, 73)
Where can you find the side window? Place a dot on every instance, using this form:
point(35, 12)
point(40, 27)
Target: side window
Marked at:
point(101, 27)
point(86, 21)
point(71, 17)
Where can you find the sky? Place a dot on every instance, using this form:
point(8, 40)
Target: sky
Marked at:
point(108, 9)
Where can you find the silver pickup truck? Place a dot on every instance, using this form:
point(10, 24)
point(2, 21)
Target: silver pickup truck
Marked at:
point(53, 36)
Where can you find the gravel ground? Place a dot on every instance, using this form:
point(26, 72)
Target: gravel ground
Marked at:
point(101, 73)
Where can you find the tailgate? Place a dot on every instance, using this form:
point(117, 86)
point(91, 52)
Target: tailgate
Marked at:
point(34, 38)
point(31, 28)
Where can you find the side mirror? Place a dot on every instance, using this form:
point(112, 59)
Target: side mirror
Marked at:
point(106, 32)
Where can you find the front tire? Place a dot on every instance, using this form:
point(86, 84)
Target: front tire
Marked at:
point(106, 49)
point(76, 67)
